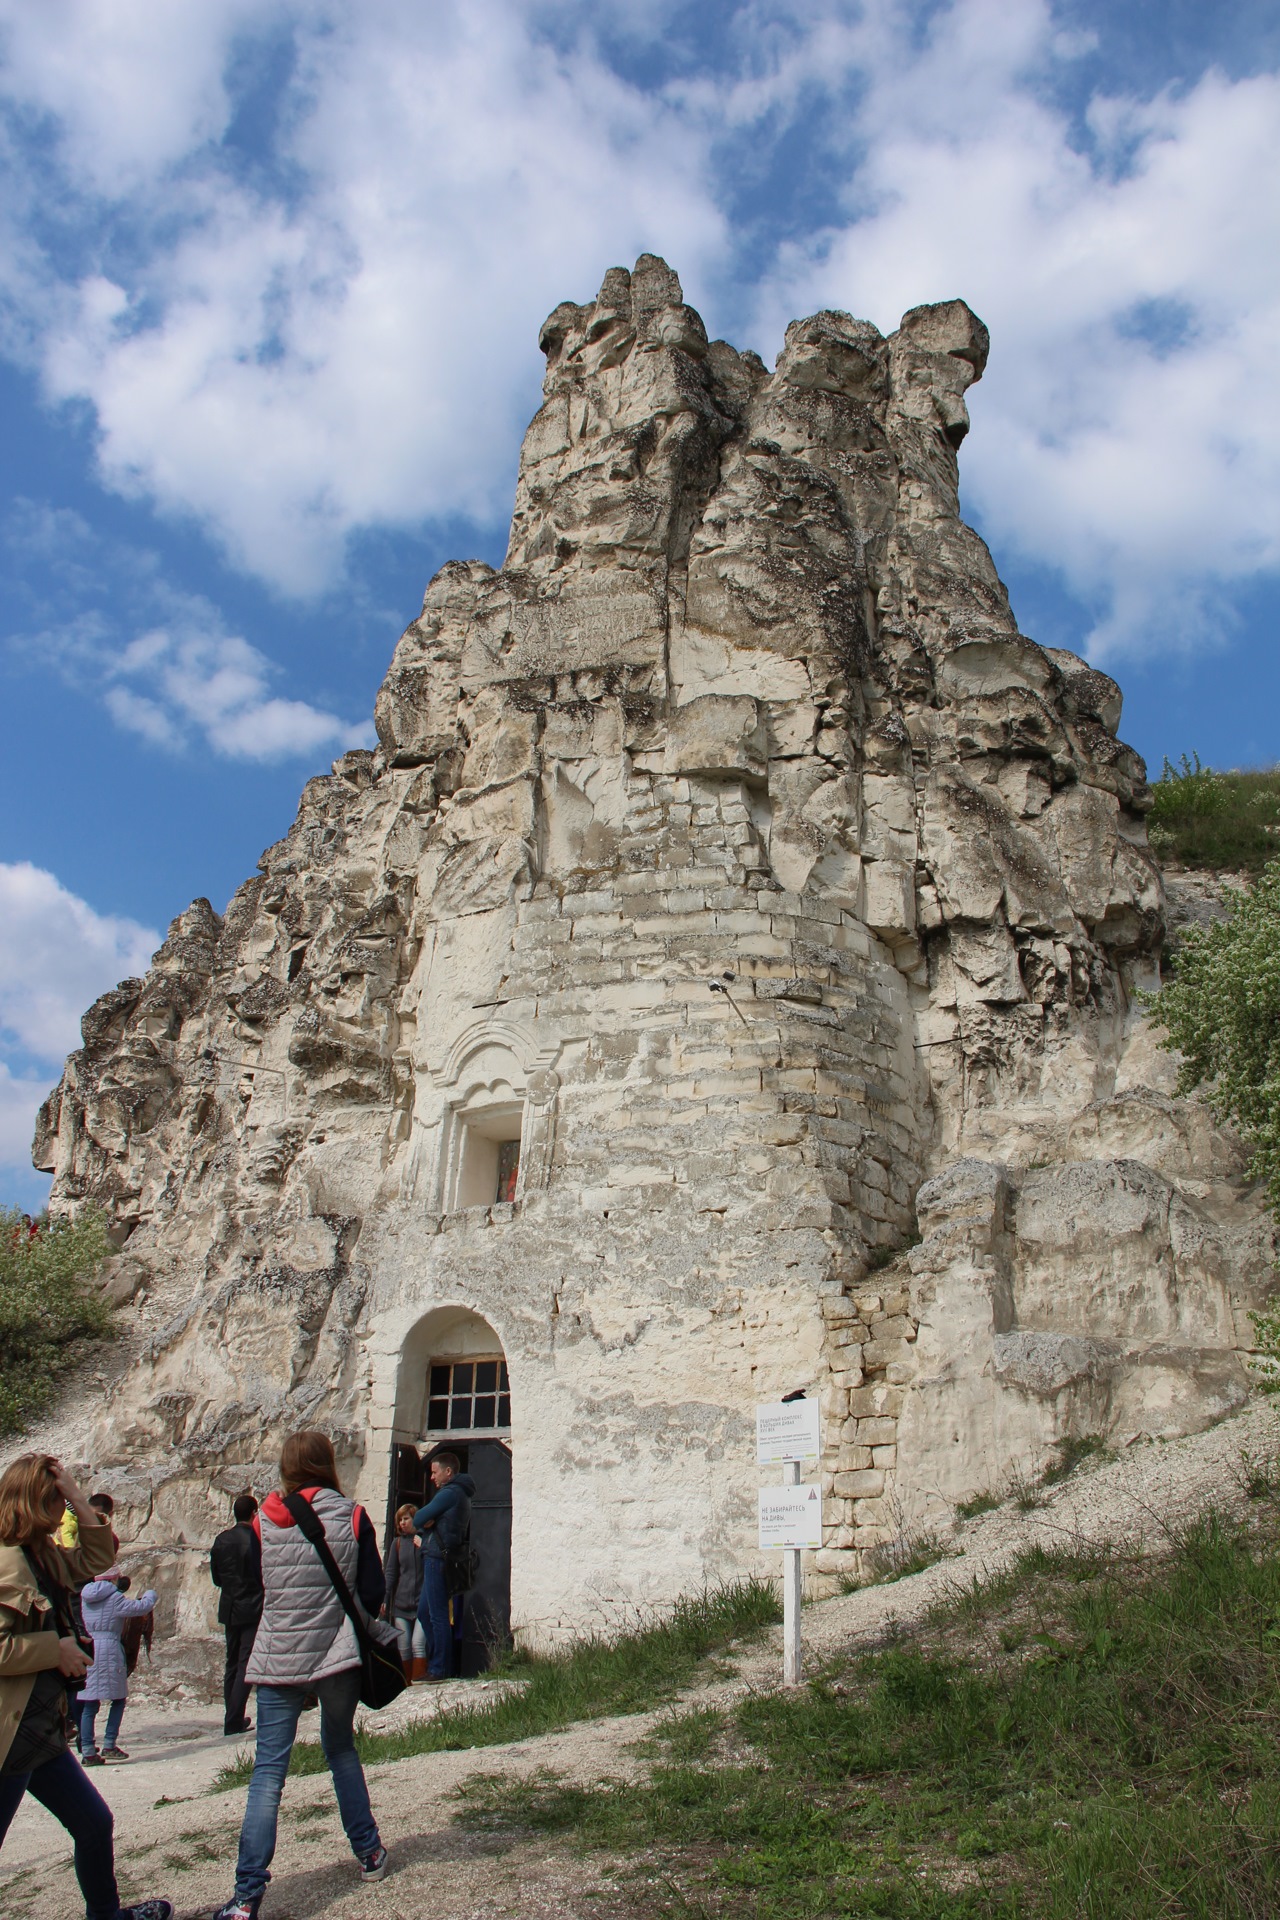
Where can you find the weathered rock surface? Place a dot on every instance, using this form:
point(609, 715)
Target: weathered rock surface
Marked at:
point(731, 849)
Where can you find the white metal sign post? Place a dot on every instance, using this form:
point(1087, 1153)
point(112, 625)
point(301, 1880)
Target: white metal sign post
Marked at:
point(790, 1516)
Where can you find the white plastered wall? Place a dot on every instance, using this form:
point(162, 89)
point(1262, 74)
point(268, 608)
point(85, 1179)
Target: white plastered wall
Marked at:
point(632, 1434)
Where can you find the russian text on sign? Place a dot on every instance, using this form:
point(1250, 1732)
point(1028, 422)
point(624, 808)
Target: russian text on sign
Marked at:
point(790, 1517)
point(787, 1430)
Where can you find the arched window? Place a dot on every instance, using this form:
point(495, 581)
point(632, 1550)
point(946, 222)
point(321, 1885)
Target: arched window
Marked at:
point(487, 1115)
point(485, 1124)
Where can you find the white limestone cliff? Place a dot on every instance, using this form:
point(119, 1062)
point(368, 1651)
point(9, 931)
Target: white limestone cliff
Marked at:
point(731, 849)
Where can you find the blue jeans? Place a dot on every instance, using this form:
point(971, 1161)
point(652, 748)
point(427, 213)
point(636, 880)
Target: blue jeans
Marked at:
point(65, 1789)
point(278, 1711)
point(88, 1714)
point(433, 1612)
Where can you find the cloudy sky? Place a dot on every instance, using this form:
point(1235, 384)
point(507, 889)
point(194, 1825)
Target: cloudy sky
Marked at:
point(271, 276)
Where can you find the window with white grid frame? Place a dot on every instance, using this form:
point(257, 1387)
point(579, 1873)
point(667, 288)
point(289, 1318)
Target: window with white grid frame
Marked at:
point(469, 1396)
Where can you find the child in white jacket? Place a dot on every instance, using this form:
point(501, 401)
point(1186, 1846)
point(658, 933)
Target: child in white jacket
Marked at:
point(105, 1610)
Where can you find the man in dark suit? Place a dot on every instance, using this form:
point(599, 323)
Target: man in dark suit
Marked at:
point(235, 1564)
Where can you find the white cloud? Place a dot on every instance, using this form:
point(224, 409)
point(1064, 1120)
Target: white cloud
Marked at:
point(358, 345)
point(20, 1100)
point(340, 334)
point(1147, 472)
point(132, 85)
point(199, 678)
point(56, 956)
point(183, 676)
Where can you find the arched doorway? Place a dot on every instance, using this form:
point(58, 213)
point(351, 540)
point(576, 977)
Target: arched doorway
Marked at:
point(454, 1392)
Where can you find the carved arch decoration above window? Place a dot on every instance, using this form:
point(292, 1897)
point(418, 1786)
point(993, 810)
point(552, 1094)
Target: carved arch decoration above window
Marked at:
point(496, 1091)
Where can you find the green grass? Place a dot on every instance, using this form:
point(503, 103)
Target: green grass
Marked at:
point(1223, 821)
point(321, 1810)
point(200, 1851)
point(1072, 1453)
point(1083, 1738)
point(899, 1559)
point(1026, 1495)
point(1258, 1469)
point(631, 1673)
point(878, 1258)
point(978, 1503)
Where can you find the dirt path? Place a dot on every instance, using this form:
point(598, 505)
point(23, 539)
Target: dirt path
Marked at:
point(174, 1836)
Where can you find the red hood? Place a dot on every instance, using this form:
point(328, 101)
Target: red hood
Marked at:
point(277, 1512)
point(279, 1515)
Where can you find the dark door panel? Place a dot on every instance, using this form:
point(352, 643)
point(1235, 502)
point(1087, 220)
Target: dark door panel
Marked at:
point(486, 1613)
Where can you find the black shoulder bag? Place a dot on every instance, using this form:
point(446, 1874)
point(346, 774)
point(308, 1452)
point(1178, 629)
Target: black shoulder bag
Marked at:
point(381, 1669)
point(461, 1567)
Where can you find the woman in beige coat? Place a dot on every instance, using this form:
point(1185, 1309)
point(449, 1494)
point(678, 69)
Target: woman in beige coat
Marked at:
point(39, 1652)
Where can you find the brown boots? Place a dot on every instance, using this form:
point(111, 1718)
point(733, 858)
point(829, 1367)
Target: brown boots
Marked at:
point(417, 1672)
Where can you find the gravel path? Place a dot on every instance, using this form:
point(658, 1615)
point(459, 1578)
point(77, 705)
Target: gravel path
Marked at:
point(174, 1836)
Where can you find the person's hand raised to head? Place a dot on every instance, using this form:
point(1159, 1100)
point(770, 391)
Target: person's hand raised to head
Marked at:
point(68, 1486)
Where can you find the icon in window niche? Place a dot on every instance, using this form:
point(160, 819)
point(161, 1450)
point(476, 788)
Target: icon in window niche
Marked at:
point(468, 1396)
point(508, 1169)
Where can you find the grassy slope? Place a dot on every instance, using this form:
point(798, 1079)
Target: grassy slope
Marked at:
point(629, 1674)
point(1223, 821)
point(1086, 1736)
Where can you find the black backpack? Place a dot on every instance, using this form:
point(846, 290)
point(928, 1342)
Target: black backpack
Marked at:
point(461, 1566)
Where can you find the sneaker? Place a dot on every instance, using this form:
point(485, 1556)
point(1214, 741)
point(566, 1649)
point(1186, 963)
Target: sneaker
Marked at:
point(92, 1760)
point(112, 1754)
point(240, 1909)
point(374, 1865)
point(148, 1910)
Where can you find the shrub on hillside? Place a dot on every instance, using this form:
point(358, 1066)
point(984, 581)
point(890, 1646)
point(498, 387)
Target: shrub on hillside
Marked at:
point(1201, 818)
point(48, 1306)
point(1221, 1011)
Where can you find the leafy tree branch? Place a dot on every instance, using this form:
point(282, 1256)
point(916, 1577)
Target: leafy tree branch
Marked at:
point(49, 1306)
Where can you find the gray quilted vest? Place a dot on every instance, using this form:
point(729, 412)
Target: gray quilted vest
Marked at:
point(304, 1635)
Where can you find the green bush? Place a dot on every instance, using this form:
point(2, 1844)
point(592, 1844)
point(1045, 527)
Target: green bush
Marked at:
point(1222, 1012)
point(1201, 818)
point(48, 1307)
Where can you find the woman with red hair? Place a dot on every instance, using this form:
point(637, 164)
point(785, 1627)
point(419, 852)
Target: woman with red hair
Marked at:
point(39, 1653)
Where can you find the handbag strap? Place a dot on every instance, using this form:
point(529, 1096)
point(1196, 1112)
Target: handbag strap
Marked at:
point(312, 1528)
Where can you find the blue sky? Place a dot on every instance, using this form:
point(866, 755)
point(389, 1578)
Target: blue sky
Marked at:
point(271, 276)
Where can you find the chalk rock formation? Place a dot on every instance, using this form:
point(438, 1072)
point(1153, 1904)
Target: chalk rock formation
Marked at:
point(731, 859)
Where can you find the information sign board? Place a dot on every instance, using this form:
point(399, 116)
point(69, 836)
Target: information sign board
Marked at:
point(791, 1517)
point(787, 1430)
